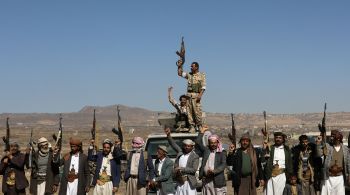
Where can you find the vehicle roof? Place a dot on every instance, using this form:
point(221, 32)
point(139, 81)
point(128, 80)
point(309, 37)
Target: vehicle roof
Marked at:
point(174, 135)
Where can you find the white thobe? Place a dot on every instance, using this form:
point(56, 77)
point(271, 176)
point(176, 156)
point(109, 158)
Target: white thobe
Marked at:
point(106, 188)
point(333, 185)
point(41, 188)
point(186, 188)
point(72, 187)
point(275, 185)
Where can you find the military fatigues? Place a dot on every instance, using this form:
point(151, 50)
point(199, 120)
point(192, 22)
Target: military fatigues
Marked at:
point(195, 83)
point(182, 115)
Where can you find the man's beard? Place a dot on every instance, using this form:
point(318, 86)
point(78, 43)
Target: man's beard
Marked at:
point(44, 151)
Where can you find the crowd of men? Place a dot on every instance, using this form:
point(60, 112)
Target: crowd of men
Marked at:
point(305, 169)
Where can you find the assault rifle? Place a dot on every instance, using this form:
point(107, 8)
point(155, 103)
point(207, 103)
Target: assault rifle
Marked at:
point(265, 133)
point(119, 131)
point(182, 51)
point(6, 138)
point(58, 138)
point(232, 135)
point(322, 126)
point(93, 130)
point(31, 143)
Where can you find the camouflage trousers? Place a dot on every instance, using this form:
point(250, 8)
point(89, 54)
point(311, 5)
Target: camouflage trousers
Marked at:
point(195, 110)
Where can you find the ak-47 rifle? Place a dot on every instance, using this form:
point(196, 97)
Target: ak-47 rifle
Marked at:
point(232, 135)
point(31, 143)
point(93, 129)
point(322, 128)
point(58, 138)
point(6, 138)
point(182, 51)
point(119, 131)
point(265, 133)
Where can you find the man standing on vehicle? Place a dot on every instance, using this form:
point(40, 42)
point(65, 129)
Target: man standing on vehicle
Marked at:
point(138, 165)
point(185, 167)
point(213, 165)
point(164, 172)
point(196, 85)
point(336, 166)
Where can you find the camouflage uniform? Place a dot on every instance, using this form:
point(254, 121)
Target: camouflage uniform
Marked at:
point(182, 116)
point(195, 83)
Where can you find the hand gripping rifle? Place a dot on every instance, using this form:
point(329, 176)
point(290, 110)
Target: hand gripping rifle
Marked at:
point(119, 131)
point(265, 133)
point(322, 129)
point(232, 135)
point(182, 51)
point(31, 143)
point(58, 138)
point(6, 138)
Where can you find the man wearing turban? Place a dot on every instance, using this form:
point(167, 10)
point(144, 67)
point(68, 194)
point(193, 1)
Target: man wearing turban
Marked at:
point(76, 175)
point(44, 178)
point(213, 165)
point(136, 175)
point(185, 167)
point(107, 175)
point(336, 165)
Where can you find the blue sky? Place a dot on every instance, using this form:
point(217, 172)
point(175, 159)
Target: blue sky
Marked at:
point(279, 56)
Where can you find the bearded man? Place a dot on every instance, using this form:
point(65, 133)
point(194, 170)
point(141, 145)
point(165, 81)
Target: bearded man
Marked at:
point(246, 167)
point(336, 165)
point(213, 165)
point(14, 181)
point(185, 167)
point(75, 179)
point(140, 169)
point(44, 178)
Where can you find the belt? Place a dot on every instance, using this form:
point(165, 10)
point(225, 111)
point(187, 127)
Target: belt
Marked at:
point(134, 176)
point(72, 177)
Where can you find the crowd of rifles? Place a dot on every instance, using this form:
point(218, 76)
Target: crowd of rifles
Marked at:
point(307, 168)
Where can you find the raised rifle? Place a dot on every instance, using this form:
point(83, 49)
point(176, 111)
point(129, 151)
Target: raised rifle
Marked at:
point(93, 130)
point(265, 133)
point(31, 143)
point(6, 138)
point(119, 131)
point(58, 138)
point(182, 51)
point(322, 129)
point(232, 135)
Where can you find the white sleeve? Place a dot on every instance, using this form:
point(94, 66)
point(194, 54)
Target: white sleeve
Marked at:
point(184, 74)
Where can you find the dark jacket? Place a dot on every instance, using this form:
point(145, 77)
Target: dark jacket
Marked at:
point(166, 178)
point(83, 173)
point(192, 163)
point(145, 169)
point(219, 164)
point(52, 174)
point(115, 168)
point(17, 165)
point(287, 190)
point(288, 162)
point(235, 160)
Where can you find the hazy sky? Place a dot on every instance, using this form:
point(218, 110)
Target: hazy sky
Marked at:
point(279, 56)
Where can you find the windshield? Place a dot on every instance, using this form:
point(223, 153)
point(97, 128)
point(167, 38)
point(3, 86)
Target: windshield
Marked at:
point(152, 145)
